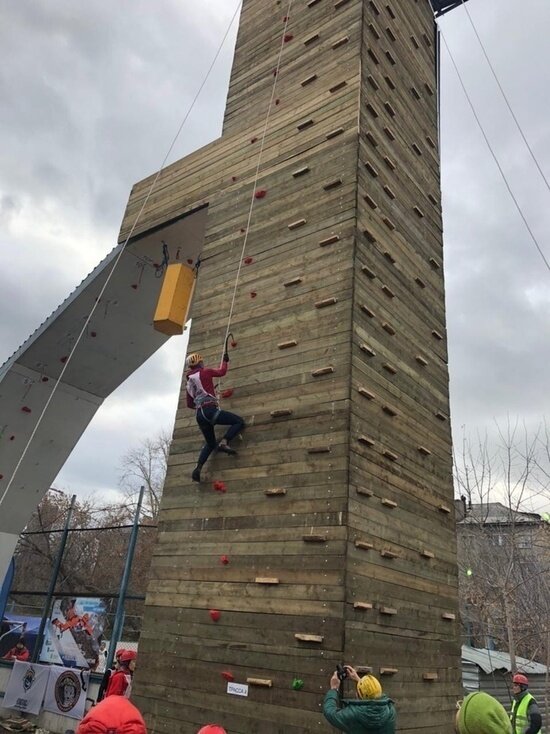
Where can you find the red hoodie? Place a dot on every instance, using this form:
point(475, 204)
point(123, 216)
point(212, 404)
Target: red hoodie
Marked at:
point(114, 715)
point(200, 386)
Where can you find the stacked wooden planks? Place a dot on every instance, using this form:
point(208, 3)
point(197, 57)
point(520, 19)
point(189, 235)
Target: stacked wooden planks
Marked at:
point(335, 538)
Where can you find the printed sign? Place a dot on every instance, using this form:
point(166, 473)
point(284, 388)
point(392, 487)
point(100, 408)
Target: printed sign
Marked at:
point(73, 635)
point(66, 692)
point(237, 689)
point(26, 687)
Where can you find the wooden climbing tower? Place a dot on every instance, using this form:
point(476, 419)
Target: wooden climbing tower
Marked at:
point(331, 536)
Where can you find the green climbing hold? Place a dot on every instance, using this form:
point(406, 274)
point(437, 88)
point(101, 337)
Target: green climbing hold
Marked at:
point(297, 684)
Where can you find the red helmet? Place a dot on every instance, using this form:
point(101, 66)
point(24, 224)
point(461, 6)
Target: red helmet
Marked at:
point(520, 679)
point(119, 652)
point(127, 655)
point(212, 729)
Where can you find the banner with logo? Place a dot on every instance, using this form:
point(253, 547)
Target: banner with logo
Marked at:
point(66, 691)
point(26, 687)
point(73, 635)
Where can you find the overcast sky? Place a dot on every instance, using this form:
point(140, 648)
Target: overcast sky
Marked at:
point(91, 95)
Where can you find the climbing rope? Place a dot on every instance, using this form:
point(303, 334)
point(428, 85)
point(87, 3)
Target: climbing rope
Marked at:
point(253, 196)
point(121, 249)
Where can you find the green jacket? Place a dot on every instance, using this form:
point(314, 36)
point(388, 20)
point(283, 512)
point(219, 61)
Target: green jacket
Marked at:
point(368, 716)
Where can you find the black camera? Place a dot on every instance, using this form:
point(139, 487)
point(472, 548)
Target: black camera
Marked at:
point(341, 672)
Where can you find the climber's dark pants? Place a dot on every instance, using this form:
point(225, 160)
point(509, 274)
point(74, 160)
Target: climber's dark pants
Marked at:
point(211, 416)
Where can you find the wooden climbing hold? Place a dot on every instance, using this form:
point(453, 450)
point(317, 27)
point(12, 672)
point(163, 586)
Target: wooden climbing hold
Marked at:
point(433, 262)
point(390, 164)
point(326, 302)
point(227, 393)
point(389, 133)
point(334, 133)
point(389, 671)
point(440, 416)
point(336, 87)
point(389, 368)
point(314, 538)
point(421, 361)
point(448, 616)
point(288, 344)
point(437, 335)
point(423, 450)
point(389, 611)
point(425, 553)
point(388, 503)
point(416, 149)
point(364, 605)
point(388, 328)
point(308, 80)
point(215, 615)
point(340, 42)
point(388, 291)
point(339, 3)
point(420, 283)
point(266, 580)
point(298, 223)
point(329, 240)
point(433, 199)
point(264, 682)
point(322, 371)
point(311, 3)
point(293, 281)
point(371, 169)
point(280, 413)
point(363, 545)
point(366, 393)
point(332, 184)
point(430, 676)
point(275, 492)
point(366, 310)
point(390, 410)
point(366, 440)
point(372, 81)
point(389, 192)
point(368, 350)
point(370, 201)
point(390, 455)
point(311, 39)
point(389, 109)
point(418, 211)
point(304, 124)
point(365, 491)
point(444, 508)
point(300, 171)
point(388, 222)
point(371, 237)
point(260, 194)
point(319, 450)
point(308, 638)
point(368, 272)
point(387, 553)
point(415, 93)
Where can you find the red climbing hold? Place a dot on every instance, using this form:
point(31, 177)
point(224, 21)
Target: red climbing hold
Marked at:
point(190, 261)
point(215, 615)
point(233, 178)
point(228, 676)
point(63, 359)
point(12, 438)
point(45, 379)
point(254, 139)
point(285, 18)
point(93, 333)
point(156, 266)
point(248, 260)
point(275, 72)
point(253, 294)
point(288, 37)
point(243, 230)
point(227, 394)
point(1, 476)
point(260, 194)
point(25, 409)
point(277, 101)
point(234, 344)
point(134, 286)
point(220, 486)
point(224, 560)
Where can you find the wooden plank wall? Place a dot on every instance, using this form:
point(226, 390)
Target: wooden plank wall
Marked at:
point(401, 547)
point(302, 305)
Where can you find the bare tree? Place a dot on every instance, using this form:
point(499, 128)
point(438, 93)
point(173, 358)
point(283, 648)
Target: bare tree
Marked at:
point(503, 545)
point(145, 465)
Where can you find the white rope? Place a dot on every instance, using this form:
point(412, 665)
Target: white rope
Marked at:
point(495, 158)
point(505, 97)
point(122, 247)
point(256, 176)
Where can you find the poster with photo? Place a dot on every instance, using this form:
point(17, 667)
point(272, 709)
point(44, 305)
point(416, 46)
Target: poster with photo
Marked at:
point(74, 633)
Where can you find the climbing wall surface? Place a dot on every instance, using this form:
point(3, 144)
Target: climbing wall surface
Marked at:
point(330, 536)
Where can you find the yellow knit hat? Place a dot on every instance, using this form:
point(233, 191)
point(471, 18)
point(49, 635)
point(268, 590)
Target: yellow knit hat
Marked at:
point(369, 687)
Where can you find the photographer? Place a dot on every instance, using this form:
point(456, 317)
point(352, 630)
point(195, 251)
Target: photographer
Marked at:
point(370, 713)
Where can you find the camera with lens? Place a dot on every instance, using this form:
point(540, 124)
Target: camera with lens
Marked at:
point(341, 672)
